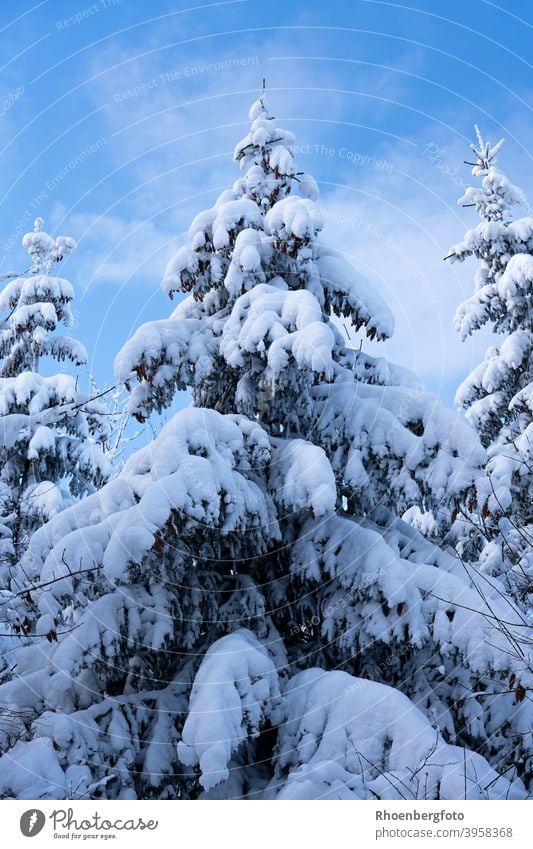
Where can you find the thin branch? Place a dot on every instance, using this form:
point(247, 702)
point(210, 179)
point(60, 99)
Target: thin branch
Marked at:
point(34, 587)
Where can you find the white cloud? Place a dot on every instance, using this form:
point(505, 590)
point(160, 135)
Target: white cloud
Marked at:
point(114, 250)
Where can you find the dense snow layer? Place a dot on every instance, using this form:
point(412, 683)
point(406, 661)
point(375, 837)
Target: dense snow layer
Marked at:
point(348, 738)
point(235, 690)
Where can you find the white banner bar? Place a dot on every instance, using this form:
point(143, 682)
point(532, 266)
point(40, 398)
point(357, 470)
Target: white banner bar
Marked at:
point(268, 825)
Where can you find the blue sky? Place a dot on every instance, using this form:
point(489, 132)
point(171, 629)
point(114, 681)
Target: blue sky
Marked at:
point(118, 121)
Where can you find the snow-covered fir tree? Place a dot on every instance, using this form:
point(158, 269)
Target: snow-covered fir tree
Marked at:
point(498, 395)
point(51, 434)
point(241, 612)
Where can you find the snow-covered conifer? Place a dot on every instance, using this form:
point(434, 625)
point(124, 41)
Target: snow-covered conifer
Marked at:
point(51, 434)
point(498, 395)
point(222, 603)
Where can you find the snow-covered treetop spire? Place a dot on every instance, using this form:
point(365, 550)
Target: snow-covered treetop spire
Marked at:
point(233, 227)
point(44, 250)
point(35, 306)
point(493, 241)
point(265, 153)
point(496, 195)
point(485, 152)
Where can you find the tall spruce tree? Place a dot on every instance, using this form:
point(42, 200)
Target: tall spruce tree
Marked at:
point(498, 395)
point(241, 612)
point(51, 434)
